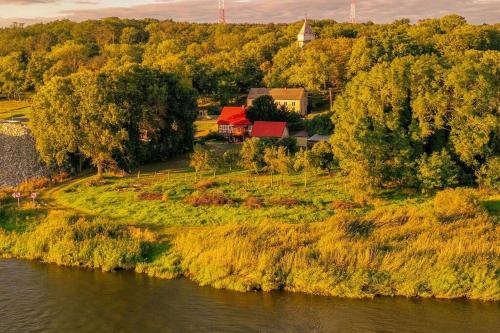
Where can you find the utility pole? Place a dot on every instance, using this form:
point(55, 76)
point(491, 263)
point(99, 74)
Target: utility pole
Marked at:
point(353, 11)
point(222, 12)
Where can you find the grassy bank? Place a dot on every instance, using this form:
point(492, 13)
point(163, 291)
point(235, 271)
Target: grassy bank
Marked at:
point(243, 233)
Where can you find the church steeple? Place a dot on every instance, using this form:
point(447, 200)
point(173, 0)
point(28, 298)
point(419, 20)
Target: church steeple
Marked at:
point(306, 34)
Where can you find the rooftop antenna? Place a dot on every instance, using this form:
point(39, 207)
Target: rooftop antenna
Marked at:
point(353, 11)
point(222, 12)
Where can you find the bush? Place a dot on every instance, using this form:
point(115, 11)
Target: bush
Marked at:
point(253, 202)
point(206, 184)
point(322, 156)
point(150, 196)
point(34, 184)
point(289, 202)
point(209, 198)
point(437, 171)
point(452, 204)
point(341, 204)
point(488, 176)
point(321, 124)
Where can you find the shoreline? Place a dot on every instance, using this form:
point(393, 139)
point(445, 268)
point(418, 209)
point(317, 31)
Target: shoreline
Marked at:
point(132, 271)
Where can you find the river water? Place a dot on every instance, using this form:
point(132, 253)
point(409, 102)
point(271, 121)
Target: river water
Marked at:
point(44, 298)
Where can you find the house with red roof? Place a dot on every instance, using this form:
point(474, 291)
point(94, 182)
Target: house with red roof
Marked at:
point(270, 129)
point(233, 123)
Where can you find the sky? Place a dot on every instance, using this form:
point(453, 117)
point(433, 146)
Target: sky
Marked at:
point(237, 11)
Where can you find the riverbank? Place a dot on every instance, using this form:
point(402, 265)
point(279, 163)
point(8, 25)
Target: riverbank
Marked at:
point(243, 233)
point(402, 251)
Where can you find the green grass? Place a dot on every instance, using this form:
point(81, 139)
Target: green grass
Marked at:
point(120, 198)
point(203, 127)
point(13, 108)
point(398, 243)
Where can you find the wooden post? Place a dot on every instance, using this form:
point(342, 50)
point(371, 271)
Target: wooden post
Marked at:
point(331, 99)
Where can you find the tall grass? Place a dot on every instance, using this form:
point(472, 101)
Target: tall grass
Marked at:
point(397, 251)
point(72, 241)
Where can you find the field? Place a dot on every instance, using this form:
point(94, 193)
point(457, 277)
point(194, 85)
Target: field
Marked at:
point(253, 232)
point(13, 108)
point(203, 127)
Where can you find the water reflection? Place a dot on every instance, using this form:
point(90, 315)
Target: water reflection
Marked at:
point(41, 298)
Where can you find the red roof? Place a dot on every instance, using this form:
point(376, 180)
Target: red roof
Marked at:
point(235, 116)
point(268, 129)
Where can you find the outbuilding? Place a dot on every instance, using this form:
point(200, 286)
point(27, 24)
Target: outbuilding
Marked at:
point(270, 129)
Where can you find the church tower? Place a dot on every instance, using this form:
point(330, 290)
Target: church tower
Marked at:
point(306, 34)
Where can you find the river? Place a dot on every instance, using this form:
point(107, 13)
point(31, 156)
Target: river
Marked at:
point(45, 298)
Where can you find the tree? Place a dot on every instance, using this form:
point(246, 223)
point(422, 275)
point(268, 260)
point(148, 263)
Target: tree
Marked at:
point(321, 124)
point(488, 176)
point(101, 115)
point(230, 159)
point(264, 108)
point(201, 159)
point(322, 156)
point(12, 75)
point(303, 162)
point(251, 155)
point(437, 171)
point(277, 161)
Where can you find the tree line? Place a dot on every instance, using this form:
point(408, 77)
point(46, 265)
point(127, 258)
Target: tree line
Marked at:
point(415, 104)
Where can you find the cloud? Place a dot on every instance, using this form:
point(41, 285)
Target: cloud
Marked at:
point(261, 11)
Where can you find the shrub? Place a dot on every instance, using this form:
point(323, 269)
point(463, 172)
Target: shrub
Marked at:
point(452, 204)
point(146, 196)
point(289, 202)
point(488, 176)
point(253, 202)
point(209, 198)
point(34, 184)
point(437, 171)
point(342, 204)
point(59, 177)
point(205, 184)
point(322, 156)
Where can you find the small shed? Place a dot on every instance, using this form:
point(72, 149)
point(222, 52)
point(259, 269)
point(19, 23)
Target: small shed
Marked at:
point(301, 137)
point(270, 129)
point(317, 138)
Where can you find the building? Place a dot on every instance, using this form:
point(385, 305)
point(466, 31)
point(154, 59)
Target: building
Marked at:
point(306, 34)
point(233, 123)
point(270, 129)
point(301, 137)
point(317, 138)
point(294, 99)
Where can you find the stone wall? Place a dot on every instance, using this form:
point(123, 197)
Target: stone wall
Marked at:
point(18, 158)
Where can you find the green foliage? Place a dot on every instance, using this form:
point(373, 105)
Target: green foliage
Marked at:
point(202, 159)
point(438, 171)
point(251, 154)
point(423, 106)
point(489, 174)
point(101, 115)
point(320, 124)
point(71, 241)
point(265, 109)
point(322, 156)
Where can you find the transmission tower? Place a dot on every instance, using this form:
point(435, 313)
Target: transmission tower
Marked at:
point(353, 11)
point(222, 12)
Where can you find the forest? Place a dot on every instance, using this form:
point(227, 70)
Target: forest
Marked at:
point(414, 104)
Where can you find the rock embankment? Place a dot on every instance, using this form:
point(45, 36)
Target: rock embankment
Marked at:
point(19, 160)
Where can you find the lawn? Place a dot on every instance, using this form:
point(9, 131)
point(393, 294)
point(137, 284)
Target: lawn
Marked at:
point(203, 127)
point(162, 196)
point(14, 108)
